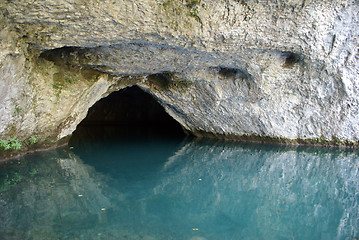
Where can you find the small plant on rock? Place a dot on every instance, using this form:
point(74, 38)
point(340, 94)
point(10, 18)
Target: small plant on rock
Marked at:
point(32, 140)
point(4, 144)
point(12, 143)
point(17, 110)
point(15, 144)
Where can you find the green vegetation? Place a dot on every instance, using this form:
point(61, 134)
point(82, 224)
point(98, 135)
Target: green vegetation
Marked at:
point(11, 144)
point(4, 144)
point(58, 87)
point(194, 13)
point(10, 181)
point(13, 177)
point(17, 110)
point(68, 80)
point(15, 144)
point(189, 8)
point(33, 172)
point(32, 140)
point(193, 9)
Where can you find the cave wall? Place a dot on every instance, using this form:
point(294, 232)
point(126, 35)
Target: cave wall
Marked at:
point(285, 70)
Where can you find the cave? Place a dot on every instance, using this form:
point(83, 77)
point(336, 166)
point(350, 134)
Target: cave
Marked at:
point(129, 113)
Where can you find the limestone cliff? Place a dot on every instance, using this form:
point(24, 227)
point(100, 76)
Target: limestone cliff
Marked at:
point(233, 68)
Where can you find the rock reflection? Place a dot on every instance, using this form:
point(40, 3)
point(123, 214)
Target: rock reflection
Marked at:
point(264, 193)
point(57, 197)
point(204, 190)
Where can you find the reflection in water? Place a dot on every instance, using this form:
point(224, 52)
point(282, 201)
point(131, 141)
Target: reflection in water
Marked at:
point(191, 190)
point(49, 195)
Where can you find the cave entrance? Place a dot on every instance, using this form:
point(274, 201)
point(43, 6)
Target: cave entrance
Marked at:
point(127, 114)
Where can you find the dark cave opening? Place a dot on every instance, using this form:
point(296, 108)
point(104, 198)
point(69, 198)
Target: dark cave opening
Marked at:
point(129, 113)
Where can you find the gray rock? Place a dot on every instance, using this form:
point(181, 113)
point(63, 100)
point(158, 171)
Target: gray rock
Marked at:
point(228, 68)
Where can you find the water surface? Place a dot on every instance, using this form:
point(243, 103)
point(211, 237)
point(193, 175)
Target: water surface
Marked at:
point(164, 188)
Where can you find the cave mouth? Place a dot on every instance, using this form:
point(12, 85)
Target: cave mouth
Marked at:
point(129, 113)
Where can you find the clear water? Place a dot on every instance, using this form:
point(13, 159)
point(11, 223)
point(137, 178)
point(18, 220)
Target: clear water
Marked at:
point(164, 188)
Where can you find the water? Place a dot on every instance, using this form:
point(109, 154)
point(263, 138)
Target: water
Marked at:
point(162, 188)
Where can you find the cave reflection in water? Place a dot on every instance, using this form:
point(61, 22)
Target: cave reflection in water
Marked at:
point(195, 190)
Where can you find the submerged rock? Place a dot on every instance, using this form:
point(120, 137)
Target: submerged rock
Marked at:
point(275, 70)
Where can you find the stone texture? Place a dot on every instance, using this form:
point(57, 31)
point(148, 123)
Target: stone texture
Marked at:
point(279, 69)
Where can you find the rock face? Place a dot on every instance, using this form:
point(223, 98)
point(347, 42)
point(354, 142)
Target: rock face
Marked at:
point(277, 69)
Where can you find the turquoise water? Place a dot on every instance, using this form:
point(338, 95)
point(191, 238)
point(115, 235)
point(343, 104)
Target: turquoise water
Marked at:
point(162, 188)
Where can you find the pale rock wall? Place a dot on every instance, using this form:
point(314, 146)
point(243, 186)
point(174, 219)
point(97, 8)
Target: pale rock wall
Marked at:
point(279, 69)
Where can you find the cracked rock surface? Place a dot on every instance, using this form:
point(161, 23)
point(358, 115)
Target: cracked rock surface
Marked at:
point(228, 68)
